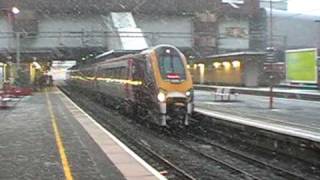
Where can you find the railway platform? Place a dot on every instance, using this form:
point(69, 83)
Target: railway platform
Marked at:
point(297, 118)
point(290, 93)
point(46, 136)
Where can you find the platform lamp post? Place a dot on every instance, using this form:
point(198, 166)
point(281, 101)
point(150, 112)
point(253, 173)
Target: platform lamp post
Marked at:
point(318, 50)
point(11, 12)
point(318, 37)
point(16, 11)
point(270, 54)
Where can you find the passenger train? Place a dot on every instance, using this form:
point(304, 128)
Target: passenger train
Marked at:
point(154, 84)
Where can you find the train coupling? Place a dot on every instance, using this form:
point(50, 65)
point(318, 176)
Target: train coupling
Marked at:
point(188, 114)
point(163, 113)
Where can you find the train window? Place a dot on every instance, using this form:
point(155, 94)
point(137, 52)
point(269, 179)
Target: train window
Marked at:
point(115, 73)
point(138, 71)
point(89, 73)
point(123, 73)
point(109, 73)
point(118, 73)
point(171, 65)
point(100, 73)
point(106, 73)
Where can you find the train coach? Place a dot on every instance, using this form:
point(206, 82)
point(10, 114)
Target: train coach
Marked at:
point(154, 84)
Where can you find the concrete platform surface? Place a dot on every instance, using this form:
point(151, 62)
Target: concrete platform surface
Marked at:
point(291, 116)
point(293, 93)
point(266, 89)
point(46, 136)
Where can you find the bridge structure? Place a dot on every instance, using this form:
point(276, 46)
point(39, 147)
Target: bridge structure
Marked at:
point(62, 30)
point(71, 29)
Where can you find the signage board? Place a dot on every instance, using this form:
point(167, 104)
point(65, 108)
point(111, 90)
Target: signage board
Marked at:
point(301, 66)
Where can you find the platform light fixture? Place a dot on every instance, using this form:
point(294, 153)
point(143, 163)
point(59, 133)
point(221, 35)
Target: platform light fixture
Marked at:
point(202, 70)
point(36, 65)
point(201, 66)
point(226, 64)
point(236, 64)
point(216, 65)
point(195, 66)
point(15, 10)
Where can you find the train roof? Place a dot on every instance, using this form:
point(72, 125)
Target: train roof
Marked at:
point(111, 55)
point(133, 56)
point(115, 53)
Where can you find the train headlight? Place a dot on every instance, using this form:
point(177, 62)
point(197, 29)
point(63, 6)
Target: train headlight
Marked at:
point(188, 93)
point(161, 97)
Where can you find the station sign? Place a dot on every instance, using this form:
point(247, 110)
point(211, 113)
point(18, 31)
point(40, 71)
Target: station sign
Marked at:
point(301, 66)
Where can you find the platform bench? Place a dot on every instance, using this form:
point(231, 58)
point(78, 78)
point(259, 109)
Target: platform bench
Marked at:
point(224, 94)
point(4, 102)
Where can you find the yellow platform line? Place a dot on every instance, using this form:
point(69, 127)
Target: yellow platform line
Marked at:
point(63, 156)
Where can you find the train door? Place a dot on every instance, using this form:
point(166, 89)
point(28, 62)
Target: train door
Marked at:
point(142, 89)
point(138, 78)
point(128, 86)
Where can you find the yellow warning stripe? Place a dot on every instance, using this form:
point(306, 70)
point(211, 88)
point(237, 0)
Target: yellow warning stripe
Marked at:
point(63, 156)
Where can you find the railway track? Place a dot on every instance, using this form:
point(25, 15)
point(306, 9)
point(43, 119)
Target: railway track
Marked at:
point(222, 162)
point(247, 161)
point(164, 166)
point(243, 166)
point(183, 164)
point(255, 148)
point(279, 163)
point(232, 168)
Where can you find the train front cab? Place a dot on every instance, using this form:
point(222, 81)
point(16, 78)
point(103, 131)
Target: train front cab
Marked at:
point(175, 93)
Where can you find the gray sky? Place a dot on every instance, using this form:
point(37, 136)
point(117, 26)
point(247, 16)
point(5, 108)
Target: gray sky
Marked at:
point(307, 6)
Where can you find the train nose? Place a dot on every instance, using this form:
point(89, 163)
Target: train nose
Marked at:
point(179, 105)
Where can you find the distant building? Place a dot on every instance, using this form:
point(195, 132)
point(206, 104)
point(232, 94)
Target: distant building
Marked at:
point(280, 5)
point(289, 31)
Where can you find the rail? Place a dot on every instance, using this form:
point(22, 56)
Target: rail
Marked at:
point(163, 165)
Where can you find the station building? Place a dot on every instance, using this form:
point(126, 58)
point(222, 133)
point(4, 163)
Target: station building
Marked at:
point(232, 69)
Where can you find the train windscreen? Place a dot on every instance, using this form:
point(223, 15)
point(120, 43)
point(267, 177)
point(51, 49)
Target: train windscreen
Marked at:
point(171, 65)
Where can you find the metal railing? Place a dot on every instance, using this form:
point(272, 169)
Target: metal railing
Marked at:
point(86, 38)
